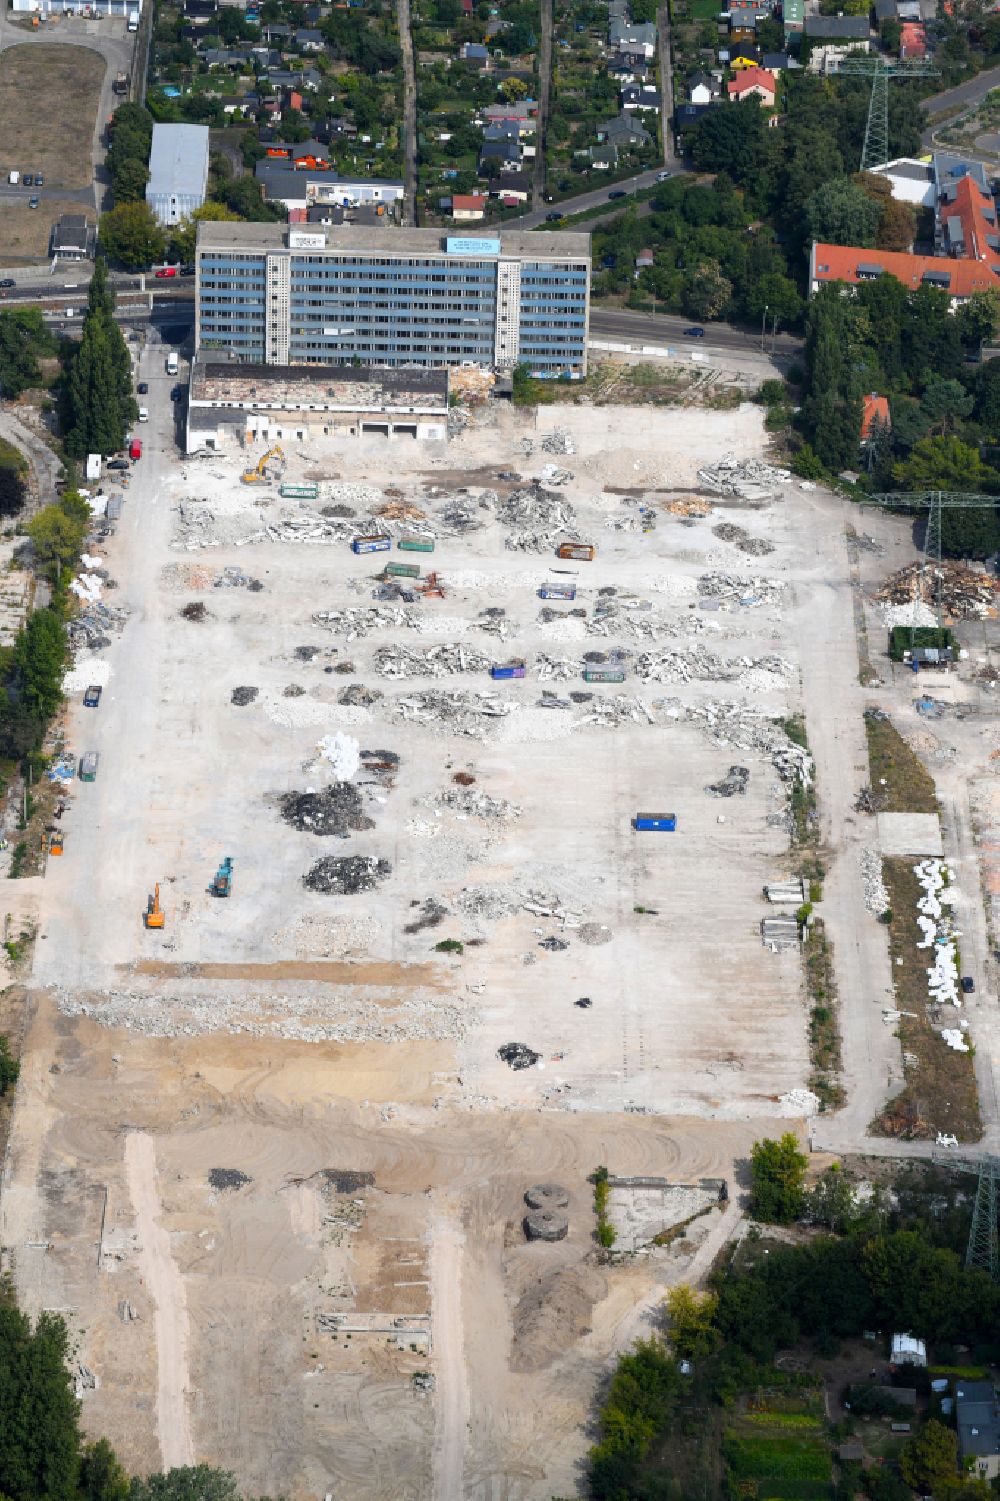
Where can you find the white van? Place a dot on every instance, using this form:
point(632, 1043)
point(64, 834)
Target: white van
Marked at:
point(133, 20)
point(13, 178)
point(144, 414)
point(172, 365)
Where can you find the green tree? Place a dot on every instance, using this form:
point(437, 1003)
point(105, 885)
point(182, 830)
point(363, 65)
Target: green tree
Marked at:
point(841, 213)
point(39, 659)
point(692, 1315)
point(831, 1200)
point(730, 140)
point(942, 463)
point(777, 1176)
point(39, 1457)
point(979, 318)
point(13, 490)
point(23, 337)
point(944, 402)
point(187, 1483)
point(987, 390)
point(184, 238)
point(129, 181)
point(929, 1461)
point(56, 537)
point(102, 1478)
point(10, 1069)
point(131, 235)
point(706, 291)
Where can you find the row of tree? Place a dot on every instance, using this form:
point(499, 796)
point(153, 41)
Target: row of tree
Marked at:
point(99, 400)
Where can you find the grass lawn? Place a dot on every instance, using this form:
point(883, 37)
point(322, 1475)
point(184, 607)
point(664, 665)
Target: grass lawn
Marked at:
point(940, 1092)
point(909, 788)
point(48, 104)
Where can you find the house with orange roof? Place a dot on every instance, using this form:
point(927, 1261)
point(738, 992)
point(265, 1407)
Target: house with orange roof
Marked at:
point(958, 278)
point(913, 40)
point(874, 410)
point(753, 82)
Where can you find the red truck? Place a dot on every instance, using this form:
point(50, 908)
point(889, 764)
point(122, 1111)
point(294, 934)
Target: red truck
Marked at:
point(135, 448)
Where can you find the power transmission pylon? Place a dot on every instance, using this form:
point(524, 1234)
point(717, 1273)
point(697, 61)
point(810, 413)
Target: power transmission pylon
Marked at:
point(880, 70)
point(983, 1250)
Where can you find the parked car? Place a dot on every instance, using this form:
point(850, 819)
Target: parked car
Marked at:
point(92, 697)
point(187, 270)
point(28, 180)
point(142, 388)
point(968, 984)
point(694, 333)
point(176, 393)
point(117, 464)
point(663, 176)
point(7, 281)
point(32, 202)
point(553, 218)
point(39, 180)
point(144, 414)
point(167, 271)
point(618, 193)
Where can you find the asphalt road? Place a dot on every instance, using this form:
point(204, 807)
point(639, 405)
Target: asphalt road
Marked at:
point(590, 199)
point(658, 328)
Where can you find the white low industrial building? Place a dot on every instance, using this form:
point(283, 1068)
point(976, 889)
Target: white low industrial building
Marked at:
point(178, 171)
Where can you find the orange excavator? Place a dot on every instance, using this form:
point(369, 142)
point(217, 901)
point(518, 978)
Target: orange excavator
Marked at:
point(153, 915)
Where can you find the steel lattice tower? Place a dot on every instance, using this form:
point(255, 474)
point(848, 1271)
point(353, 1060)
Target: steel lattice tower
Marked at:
point(983, 1251)
point(879, 70)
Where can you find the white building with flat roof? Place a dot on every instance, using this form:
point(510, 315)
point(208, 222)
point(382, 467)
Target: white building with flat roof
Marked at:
point(178, 171)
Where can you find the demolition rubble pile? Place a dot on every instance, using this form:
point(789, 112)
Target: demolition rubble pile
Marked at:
point(698, 663)
point(455, 713)
point(689, 506)
point(729, 723)
point(747, 479)
point(558, 442)
point(938, 930)
point(431, 662)
point(336, 810)
point(534, 519)
point(346, 875)
point(307, 1013)
point(872, 884)
point(360, 620)
point(93, 627)
point(754, 547)
point(733, 784)
point(964, 593)
point(471, 803)
point(734, 588)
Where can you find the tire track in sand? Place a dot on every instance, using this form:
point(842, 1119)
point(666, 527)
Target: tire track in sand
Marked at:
point(166, 1287)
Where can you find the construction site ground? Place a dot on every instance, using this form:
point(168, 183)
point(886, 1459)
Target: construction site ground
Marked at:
point(268, 1160)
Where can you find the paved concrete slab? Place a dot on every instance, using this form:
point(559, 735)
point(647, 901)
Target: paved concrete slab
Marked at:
point(910, 834)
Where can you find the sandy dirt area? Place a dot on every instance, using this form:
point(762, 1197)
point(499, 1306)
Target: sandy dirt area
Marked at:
point(48, 102)
point(269, 1160)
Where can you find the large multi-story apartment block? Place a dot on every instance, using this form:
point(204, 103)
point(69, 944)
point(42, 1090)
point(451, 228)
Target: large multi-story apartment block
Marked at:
point(274, 294)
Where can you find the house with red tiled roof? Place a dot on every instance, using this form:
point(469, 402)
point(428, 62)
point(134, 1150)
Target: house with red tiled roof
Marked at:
point(874, 409)
point(466, 206)
point(959, 278)
point(753, 81)
point(967, 222)
point(912, 40)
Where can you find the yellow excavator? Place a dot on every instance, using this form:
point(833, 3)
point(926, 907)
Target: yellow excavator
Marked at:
point(259, 476)
point(153, 915)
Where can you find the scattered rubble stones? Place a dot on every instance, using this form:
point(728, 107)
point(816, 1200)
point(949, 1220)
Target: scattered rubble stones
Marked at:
point(359, 695)
point(346, 875)
point(876, 895)
point(756, 547)
point(195, 611)
point(517, 1055)
point(243, 696)
point(546, 1196)
point(733, 784)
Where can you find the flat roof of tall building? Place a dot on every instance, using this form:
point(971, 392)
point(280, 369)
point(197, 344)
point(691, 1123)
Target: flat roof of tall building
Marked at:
point(565, 244)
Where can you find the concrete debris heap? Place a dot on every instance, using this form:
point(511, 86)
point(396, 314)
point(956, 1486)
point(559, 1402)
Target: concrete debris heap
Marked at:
point(557, 442)
point(92, 628)
point(432, 662)
point(517, 1055)
point(939, 932)
point(734, 588)
point(747, 479)
point(355, 621)
point(455, 713)
point(876, 895)
point(964, 593)
point(690, 506)
point(699, 663)
point(545, 1224)
point(235, 578)
point(755, 547)
point(733, 784)
point(471, 803)
point(346, 875)
point(337, 810)
point(535, 519)
point(243, 696)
